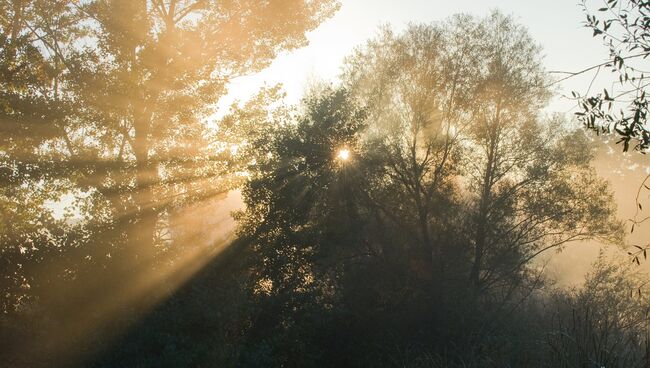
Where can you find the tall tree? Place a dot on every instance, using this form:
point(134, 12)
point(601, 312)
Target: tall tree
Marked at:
point(517, 164)
point(415, 87)
point(458, 105)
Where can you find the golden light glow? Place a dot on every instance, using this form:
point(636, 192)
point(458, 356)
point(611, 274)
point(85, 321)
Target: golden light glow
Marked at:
point(146, 286)
point(344, 154)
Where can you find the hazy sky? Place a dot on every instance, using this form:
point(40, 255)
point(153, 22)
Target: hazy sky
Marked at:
point(555, 24)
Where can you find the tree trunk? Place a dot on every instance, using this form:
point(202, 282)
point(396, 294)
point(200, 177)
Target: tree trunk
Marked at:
point(144, 220)
point(484, 204)
point(15, 32)
point(481, 222)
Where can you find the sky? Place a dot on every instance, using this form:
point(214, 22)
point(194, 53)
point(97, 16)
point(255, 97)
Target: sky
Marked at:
point(557, 25)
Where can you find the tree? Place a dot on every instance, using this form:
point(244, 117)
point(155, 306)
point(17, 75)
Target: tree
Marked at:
point(449, 111)
point(138, 79)
point(415, 88)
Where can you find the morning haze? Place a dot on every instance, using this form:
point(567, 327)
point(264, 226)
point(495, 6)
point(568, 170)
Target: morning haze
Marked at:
point(322, 183)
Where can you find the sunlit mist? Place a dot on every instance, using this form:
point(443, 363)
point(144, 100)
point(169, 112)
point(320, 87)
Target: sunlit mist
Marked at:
point(324, 183)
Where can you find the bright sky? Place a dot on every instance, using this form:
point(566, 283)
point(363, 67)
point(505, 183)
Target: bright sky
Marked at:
point(555, 24)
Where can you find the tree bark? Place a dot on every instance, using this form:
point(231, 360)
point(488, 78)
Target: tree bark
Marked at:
point(144, 220)
point(492, 136)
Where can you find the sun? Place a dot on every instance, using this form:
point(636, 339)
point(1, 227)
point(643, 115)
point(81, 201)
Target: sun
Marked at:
point(344, 154)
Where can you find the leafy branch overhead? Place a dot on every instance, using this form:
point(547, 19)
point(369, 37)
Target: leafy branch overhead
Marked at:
point(624, 26)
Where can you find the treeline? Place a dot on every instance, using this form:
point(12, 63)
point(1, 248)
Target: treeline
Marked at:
point(392, 219)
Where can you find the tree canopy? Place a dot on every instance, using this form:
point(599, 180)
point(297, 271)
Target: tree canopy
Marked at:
point(109, 102)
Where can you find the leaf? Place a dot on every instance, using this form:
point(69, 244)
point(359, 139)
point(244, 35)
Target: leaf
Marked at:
point(607, 24)
point(607, 97)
